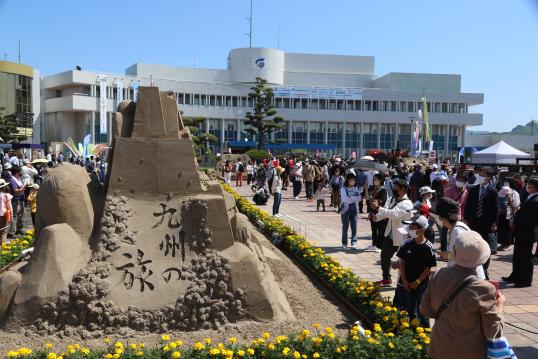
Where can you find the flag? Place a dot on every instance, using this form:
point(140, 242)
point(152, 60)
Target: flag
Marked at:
point(102, 104)
point(426, 121)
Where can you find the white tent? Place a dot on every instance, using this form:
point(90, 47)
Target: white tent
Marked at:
point(500, 153)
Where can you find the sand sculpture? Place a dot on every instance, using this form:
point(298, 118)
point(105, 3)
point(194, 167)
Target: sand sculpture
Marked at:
point(168, 250)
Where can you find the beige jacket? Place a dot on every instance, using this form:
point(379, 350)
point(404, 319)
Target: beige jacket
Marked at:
point(463, 328)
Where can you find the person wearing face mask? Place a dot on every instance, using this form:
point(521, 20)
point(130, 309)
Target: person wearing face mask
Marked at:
point(481, 208)
point(417, 258)
point(349, 197)
point(525, 226)
point(379, 193)
point(458, 192)
point(509, 203)
point(398, 209)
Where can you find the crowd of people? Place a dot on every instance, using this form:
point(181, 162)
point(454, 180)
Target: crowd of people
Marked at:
point(19, 182)
point(471, 212)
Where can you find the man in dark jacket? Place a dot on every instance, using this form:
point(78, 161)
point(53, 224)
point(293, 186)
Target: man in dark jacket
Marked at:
point(481, 207)
point(525, 225)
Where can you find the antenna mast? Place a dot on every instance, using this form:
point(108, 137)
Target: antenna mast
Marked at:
point(250, 25)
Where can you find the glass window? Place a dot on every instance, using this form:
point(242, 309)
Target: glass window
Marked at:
point(357, 105)
point(299, 132)
point(282, 135)
point(393, 105)
point(403, 108)
point(322, 104)
point(314, 103)
point(370, 136)
point(340, 104)
point(404, 136)
point(286, 103)
point(444, 107)
point(411, 107)
point(234, 101)
point(230, 130)
point(196, 99)
point(332, 104)
point(437, 107)
point(335, 135)
point(317, 132)
point(386, 136)
point(353, 136)
point(278, 102)
point(375, 106)
point(367, 105)
point(349, 105)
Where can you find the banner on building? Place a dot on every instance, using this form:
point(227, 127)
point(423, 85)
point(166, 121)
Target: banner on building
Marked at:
point(102, 104)
point(120, 91)
point(135, 90)
point(337, 93)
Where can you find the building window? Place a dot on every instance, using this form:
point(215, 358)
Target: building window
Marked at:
point(437, 107)
point(187, 99)
point(282, 135)
point(375, 106)
point(444, 107)
point(453, 138)
point(196, 98)
point(402, 106)
point(349, 105)
point(332, 104)
point(386, 140)
point(314, 103)
point(367, 105)
point(352, 136)
point(322, 104)
point(299, 132)
point(411, 107)
point(393, 105)
point(357, 105)
point(335, 135)
point(385, 106)
point(370, 135)
point(317, 132)
point(404, 136)
point(286, 103)
point(340, 105)
point(230, 130)
point(438, 137)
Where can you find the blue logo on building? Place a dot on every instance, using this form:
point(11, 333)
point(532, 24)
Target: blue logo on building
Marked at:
point(260, 62)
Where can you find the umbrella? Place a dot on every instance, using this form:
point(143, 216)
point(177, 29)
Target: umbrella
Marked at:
point(40, 160)
point(367, 158)
point(370, 165)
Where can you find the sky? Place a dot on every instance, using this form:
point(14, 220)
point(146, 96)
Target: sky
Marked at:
point(493, 44)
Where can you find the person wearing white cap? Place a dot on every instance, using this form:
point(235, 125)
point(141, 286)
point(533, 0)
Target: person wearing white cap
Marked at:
point(6, 211)
point(467, 310)
point(32, 201)
point(417, 257)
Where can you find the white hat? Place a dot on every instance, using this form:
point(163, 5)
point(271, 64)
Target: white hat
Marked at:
point(420, 221)
point(434, 166)
point(426, 189)
point(3, 183)
point(470, 249)
point(7, 166)
point(35, 186)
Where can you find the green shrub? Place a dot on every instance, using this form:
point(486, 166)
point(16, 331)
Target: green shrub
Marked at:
point(258, 155)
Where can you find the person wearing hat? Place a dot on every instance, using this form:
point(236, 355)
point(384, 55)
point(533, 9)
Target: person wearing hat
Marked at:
point(276, 190)
point(32, 201)
point(417, 258)
point(6, 210)
point(399, 209)
point(6, 171)
point(349, 197)
point(467, 310)
point(423, 204)
point(297, 176)
point(309, 174)
point(525, 225)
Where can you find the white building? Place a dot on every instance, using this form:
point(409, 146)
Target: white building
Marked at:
point(328, 101)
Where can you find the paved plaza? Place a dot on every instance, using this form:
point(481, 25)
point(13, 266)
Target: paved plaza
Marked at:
point(324, 229)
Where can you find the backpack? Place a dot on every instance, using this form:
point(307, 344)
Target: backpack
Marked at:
point(241, 168)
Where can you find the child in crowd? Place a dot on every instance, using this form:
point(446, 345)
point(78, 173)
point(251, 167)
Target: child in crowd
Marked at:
point(320, 194)
point(416, 259)
point(336, 182)
point(32, 201)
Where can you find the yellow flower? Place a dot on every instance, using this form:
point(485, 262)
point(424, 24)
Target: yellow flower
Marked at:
point(296, 355)
point(198, 346)
point(233, 340)
point(250, 351)
point(420, 330)
point(85, 351)
point(116, 356)
point(166, 348)
point(418, 346)
point(315, 355)
point(165, 337)
point(241, 353)
point(133, 346)
point(173, 345)
point(266, 335)
point(48, 346)
point(207, 340)
point(391, 346)
point(286, 351)
point(139, 353)
point(179, 343)
point(107, 340)
point(51, 355)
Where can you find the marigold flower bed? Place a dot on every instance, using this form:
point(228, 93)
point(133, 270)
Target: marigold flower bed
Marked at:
point(10, 252)
point(315, 343)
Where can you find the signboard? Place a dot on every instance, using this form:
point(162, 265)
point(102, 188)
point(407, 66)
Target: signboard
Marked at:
point(102, 104)
point(337, 93)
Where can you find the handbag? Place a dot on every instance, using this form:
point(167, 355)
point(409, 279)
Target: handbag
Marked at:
point(8, 213)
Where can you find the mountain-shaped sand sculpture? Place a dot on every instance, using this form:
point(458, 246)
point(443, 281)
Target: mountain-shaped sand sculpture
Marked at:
point(168, 250)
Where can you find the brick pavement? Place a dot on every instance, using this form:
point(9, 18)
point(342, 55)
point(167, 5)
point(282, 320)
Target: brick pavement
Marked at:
point(324, 229)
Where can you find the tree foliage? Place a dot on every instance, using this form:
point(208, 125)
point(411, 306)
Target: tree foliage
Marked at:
point(200, 138)
point(263, 120)
point(8, 128)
